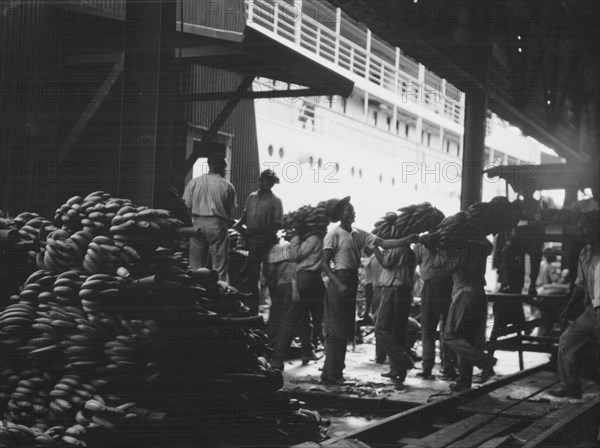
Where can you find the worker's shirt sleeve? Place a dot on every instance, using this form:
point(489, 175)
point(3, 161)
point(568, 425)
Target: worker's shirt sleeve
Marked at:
point(277, 213)
point(231, 200)
point(581, 268)
point(368, 238)
point(330, 241)
point(187, 195)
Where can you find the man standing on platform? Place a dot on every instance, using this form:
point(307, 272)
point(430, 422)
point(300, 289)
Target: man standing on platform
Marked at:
point(211, 200)
point(262, 218)
point(586, 296)
point(436, 296)
point(343, 246)
point(396, 279)
point(465, 327)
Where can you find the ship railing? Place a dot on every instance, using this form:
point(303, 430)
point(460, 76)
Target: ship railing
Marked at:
point(299, 29)
point(285, 19)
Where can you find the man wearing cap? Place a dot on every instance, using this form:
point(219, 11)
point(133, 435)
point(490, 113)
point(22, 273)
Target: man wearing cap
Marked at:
point(211, 200)
point(262, 218)
point(343, 247)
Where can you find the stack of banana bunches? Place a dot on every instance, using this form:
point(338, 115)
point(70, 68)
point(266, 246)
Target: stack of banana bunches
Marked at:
point(479, 220)
point(411, 219)
point(307, 220)
point(111, 340)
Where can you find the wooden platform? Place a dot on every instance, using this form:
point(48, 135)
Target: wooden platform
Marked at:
point(518, 413)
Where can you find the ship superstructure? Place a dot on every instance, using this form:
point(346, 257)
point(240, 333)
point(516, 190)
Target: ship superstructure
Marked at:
point(396, 139)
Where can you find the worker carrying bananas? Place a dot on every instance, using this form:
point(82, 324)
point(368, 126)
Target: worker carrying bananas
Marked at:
point(211, 200)
point(583, 308)
point(436, 296)
point(306, 252)
point(396, 278)
point(262, 219)
point(465, 327)
point(343, 247)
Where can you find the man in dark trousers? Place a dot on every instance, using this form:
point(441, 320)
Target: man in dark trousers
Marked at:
point(211, 200)
point(306, 252)
point(396, 279)
point(343, 247)
point(436, 296)
point(262, 218)
point(583, 308)
point(465, 327)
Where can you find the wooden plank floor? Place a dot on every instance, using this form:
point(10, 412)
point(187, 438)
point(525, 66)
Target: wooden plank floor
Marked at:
point(519, 413)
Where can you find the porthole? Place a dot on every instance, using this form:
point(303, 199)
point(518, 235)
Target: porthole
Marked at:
point(337, 167)
point(320, 162)
point(311, 160)
point(352, 170)
point(359, 173)
point(270, 150)
point(281, 153)
point(393, 181)
point(380, 178)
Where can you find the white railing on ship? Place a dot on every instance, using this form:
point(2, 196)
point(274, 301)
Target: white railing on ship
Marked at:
point(281, 19)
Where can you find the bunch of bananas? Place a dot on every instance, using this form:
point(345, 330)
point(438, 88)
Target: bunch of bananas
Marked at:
point(105, 255)
point(134, 349)
point(416, 218)
point(96, 291)
point(307, 220)
point(62, 251)
point(28, 399)
point(15, 320)
point(144, 228)
point(479, 220)
point(75, 213)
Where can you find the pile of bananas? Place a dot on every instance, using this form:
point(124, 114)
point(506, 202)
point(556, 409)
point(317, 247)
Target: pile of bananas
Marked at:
point(307, 220)
point(111, 319)
point(416, 218)
point(479, 220)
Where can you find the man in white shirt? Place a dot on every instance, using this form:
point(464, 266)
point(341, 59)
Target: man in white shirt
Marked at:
point(343, 247)
point(211, 200)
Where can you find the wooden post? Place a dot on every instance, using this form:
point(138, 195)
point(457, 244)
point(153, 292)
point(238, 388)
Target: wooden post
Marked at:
point(144, 171)
point(473, 148)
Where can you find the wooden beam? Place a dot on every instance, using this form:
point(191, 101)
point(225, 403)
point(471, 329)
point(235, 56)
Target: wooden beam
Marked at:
point(247, 95)
point(206, 31)
point(217, 123)
point(144, 169)
point(207, 51)
point(91, 109)
point(97, 58)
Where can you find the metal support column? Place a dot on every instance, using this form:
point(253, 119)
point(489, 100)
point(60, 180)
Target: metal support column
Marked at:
point(147, 112)
point(473, 147)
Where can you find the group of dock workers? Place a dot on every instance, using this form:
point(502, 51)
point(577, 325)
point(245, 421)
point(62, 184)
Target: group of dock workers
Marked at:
point(314, 279)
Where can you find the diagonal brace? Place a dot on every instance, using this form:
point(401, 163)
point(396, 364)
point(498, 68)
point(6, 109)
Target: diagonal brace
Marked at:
point(91, 109)
point(217, 123)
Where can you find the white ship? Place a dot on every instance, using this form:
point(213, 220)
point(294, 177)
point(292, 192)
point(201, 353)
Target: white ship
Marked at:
point(396, 140)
